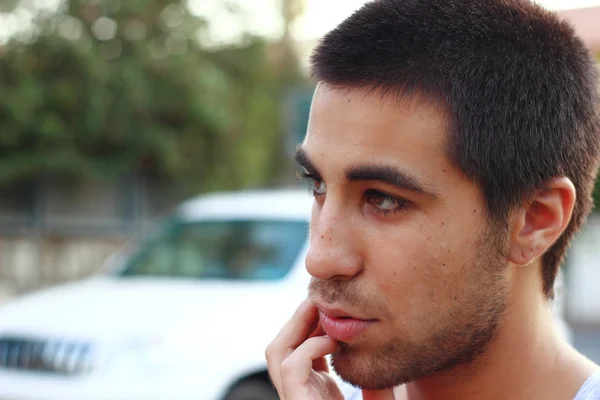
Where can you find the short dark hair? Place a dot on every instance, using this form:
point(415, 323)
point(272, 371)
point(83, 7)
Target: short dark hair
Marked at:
point(519, 87)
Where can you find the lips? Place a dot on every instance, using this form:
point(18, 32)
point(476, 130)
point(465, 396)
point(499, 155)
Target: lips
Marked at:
point(341, 325)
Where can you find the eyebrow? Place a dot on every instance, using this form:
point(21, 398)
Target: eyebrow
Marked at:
point(374, 172)
point(303, 160)
point(390, 175)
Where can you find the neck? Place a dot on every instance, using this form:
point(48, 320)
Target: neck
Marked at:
point(527, 359)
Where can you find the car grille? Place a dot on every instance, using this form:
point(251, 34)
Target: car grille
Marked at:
point(59, 357)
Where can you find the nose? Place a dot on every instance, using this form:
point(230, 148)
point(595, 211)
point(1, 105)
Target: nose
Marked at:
point(333, 251)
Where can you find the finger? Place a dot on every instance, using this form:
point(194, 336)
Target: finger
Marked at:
point(320, 365)
point(294, 332)
point(304, 321)
point(318, 331)
point(385, 394)
point(297, 367)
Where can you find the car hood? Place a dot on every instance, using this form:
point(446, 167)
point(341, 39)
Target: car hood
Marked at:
point(109, 307)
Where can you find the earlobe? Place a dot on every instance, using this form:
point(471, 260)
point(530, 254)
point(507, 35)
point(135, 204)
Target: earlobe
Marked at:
point(541, 221)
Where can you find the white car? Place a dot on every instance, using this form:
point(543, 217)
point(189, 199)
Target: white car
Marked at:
point(186, 315)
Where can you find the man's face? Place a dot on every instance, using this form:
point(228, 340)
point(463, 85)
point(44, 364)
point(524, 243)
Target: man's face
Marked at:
point(400, 237)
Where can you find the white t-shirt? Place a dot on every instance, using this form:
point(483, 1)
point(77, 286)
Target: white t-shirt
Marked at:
point(590, 390)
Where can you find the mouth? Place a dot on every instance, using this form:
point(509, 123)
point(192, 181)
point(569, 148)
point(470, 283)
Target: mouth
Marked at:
point(342, 325)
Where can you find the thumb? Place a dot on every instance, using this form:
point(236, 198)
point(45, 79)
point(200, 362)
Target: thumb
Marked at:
point(385, 394)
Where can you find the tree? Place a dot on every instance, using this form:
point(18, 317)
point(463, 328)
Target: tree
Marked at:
point(102, 88)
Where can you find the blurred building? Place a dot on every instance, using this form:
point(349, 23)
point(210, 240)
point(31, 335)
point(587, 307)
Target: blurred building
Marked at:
point(52, 232)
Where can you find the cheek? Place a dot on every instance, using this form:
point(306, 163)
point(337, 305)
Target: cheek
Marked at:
point(418, 264)
point(400, 264)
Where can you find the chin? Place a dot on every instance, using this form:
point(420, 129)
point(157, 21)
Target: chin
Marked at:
point(364, 368)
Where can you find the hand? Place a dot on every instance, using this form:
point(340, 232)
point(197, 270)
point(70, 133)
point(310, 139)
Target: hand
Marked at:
point(296, 358)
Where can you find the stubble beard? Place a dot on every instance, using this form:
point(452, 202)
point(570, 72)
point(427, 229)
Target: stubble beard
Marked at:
point(450, 337)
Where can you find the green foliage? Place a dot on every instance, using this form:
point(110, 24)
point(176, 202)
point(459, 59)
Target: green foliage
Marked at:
point(109, 87)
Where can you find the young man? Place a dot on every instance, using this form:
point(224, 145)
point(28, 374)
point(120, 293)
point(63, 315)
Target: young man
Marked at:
point(452, 147)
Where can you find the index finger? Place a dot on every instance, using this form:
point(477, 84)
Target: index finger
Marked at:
point(293, 334)
point(304, 321)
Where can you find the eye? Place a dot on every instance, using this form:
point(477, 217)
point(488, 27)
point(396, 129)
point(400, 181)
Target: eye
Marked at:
point(384, 203)
point(316, 185)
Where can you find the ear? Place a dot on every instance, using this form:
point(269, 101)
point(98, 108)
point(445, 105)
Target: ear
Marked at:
point(541, 221)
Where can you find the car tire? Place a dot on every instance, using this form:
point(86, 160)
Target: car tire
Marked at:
point(254, 389)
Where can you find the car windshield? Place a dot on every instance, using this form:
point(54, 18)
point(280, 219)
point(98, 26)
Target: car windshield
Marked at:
point(238, 250)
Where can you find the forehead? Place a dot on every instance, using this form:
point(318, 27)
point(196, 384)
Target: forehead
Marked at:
point(361, 125)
